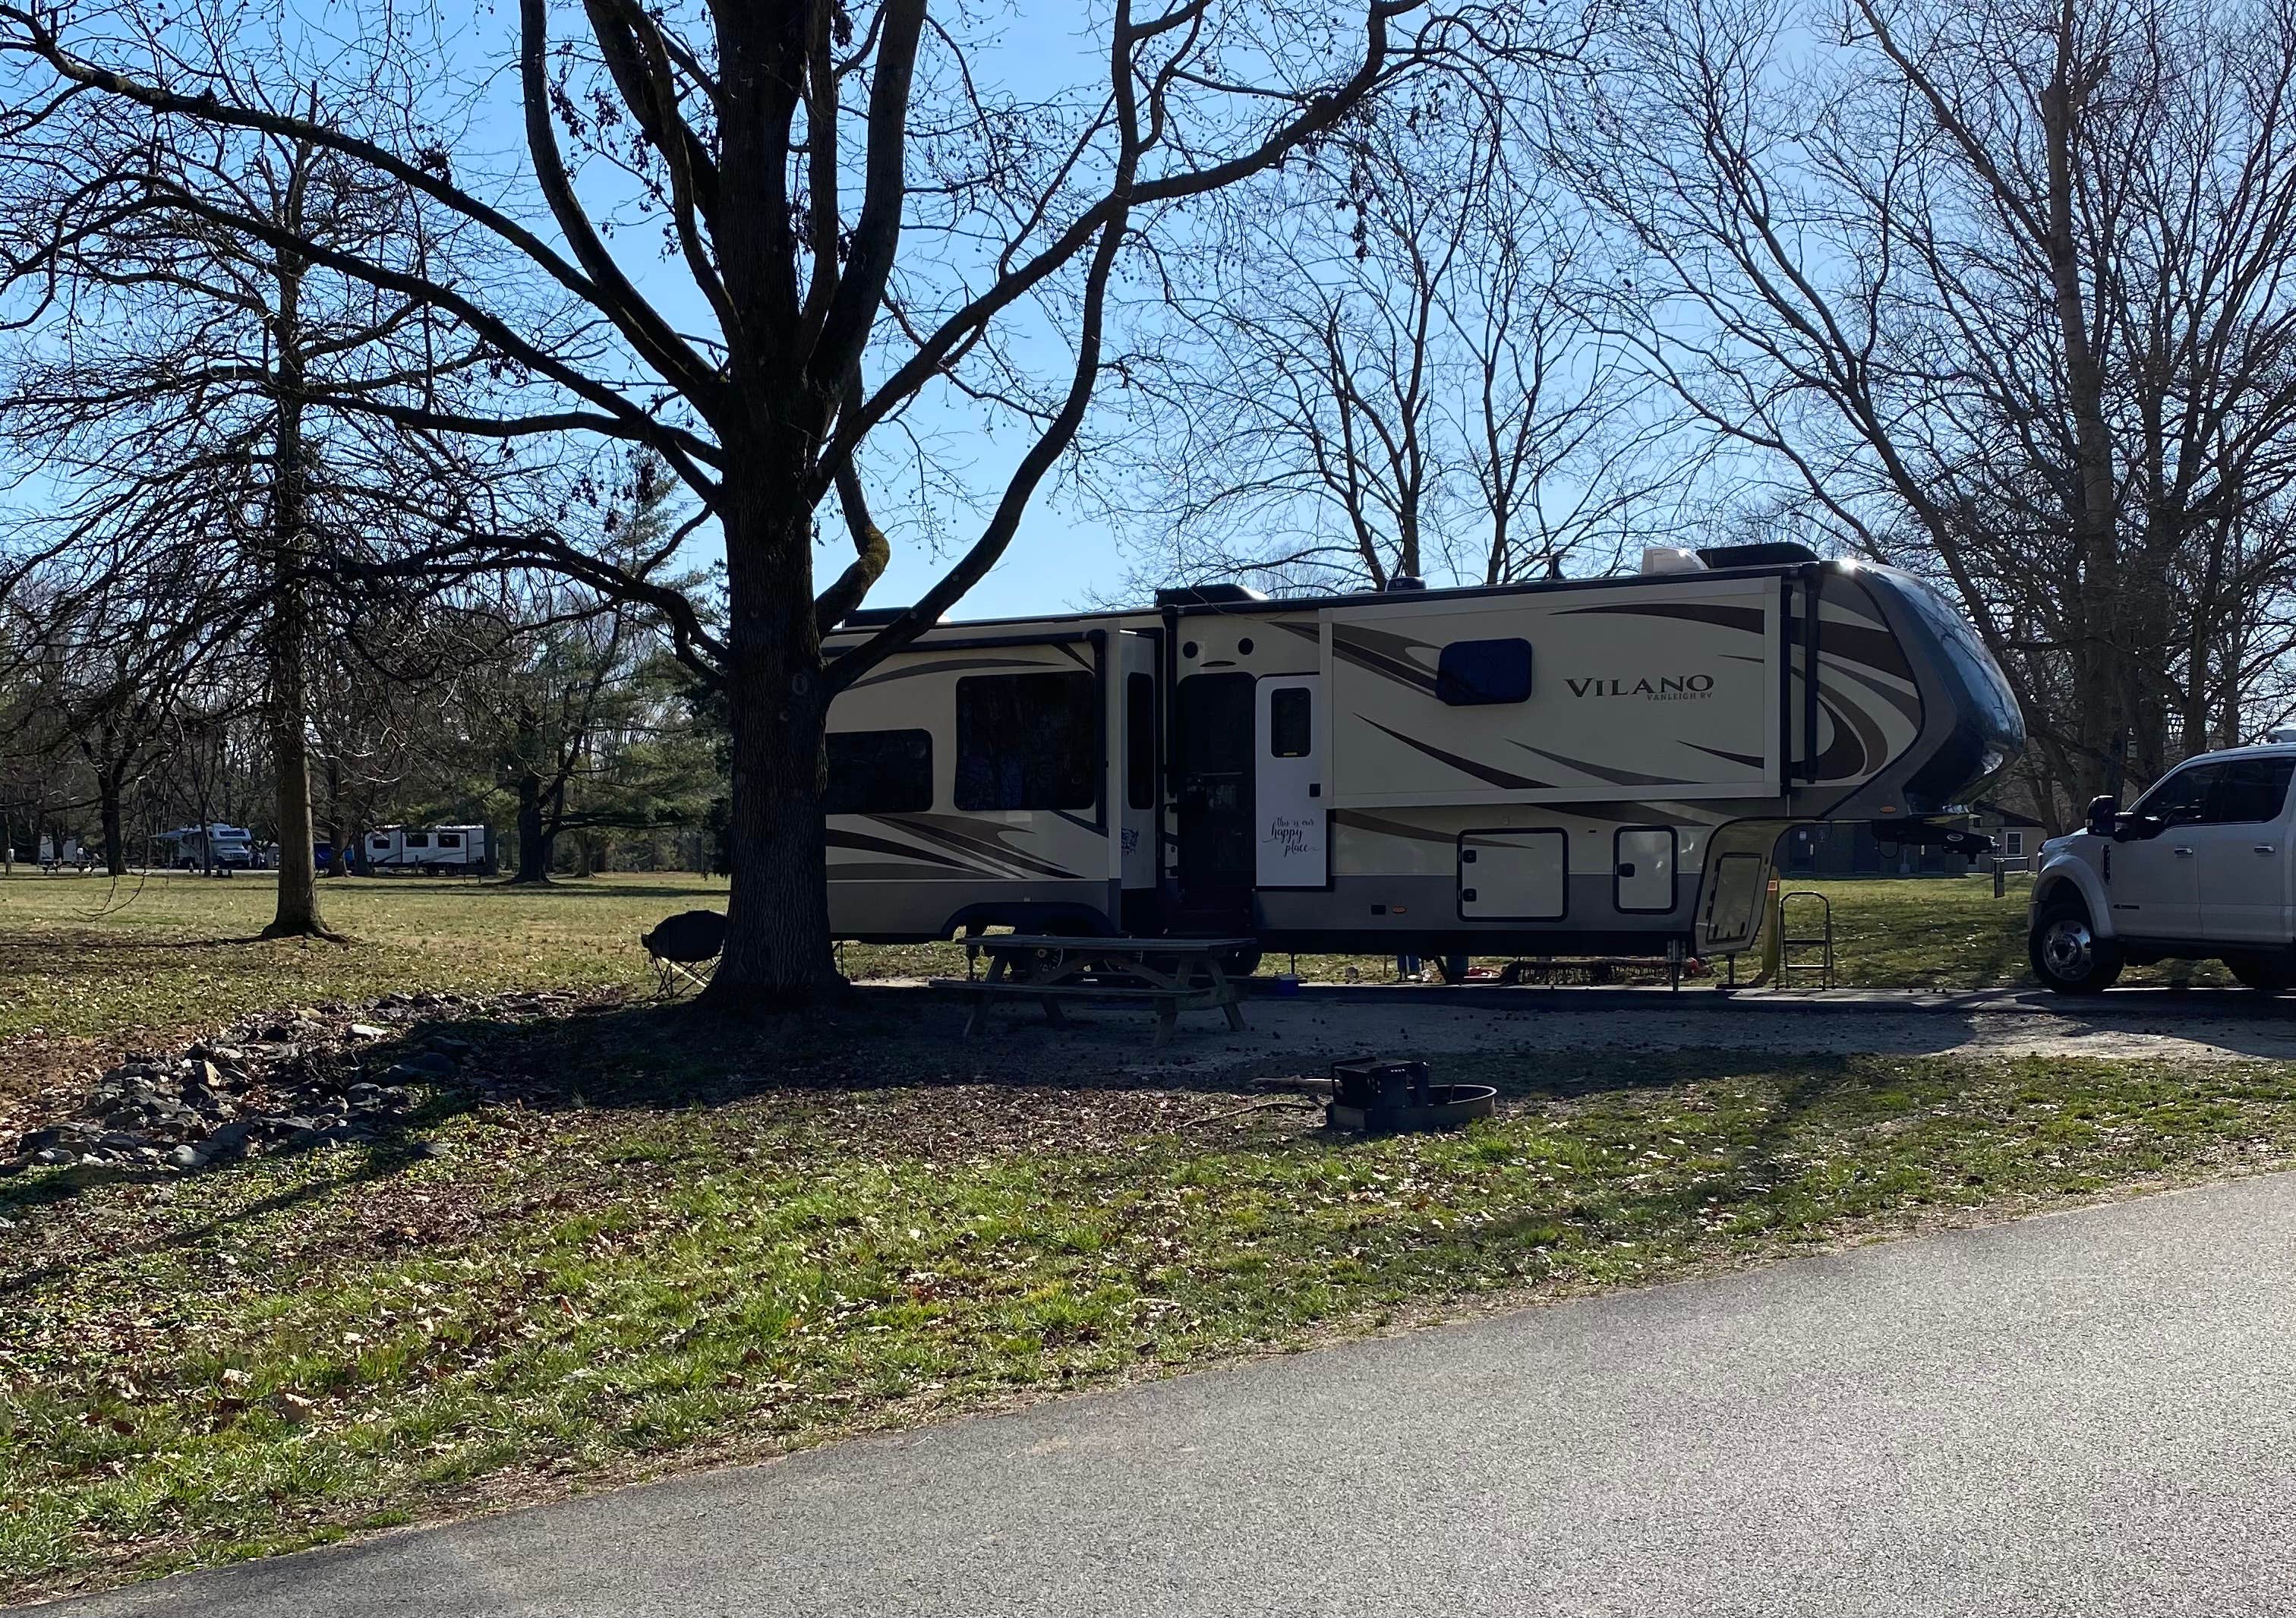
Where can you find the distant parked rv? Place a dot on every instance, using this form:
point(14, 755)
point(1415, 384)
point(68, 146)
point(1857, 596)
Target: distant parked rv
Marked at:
point(218, 846)
point(435, 850)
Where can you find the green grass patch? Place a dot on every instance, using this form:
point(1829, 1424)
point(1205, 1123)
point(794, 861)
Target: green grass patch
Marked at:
point(88, 957)
point(196, 1370)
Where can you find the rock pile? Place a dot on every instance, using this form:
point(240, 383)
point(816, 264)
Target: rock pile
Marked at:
point(270, 1085)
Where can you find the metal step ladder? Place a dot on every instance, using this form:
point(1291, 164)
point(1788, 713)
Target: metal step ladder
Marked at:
point(1822, 941)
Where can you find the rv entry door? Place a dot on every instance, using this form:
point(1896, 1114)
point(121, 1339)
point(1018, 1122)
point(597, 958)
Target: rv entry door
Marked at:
point(1214, 725)
point(1290, 780)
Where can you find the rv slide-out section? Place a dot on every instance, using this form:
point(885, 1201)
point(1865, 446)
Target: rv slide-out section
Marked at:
point(1572, 767)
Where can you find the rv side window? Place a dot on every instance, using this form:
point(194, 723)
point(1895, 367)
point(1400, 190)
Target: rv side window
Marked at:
point(1290, 733)
point(450, 840)
point(1140, 741)
point(879, 772)
point(1027, 742)
point(1473, 673)
point(418, 839)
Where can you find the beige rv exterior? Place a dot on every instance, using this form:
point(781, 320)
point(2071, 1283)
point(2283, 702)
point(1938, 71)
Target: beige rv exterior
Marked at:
point(1568, 767)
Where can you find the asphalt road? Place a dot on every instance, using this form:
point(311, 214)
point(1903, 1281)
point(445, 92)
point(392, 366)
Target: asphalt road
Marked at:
point(2092, 1413)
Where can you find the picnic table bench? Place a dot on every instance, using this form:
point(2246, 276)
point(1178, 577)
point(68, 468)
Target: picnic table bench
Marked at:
point(1174, 974)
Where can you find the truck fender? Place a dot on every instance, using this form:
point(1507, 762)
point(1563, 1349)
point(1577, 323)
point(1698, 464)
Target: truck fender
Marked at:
point(2063, 870)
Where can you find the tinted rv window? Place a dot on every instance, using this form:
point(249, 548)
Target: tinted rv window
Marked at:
point(450, 840)
point(1027, 742)
point(1140, 741)
point(879, 772)
point(418, 839)
point(1290, 731)
point(1472, 673)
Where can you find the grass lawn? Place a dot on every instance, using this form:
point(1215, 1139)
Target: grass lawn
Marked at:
point(650, 1240)
point(84, 957)
point(688, 1245)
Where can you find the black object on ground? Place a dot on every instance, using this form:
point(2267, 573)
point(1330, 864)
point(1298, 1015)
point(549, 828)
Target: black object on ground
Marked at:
point(680, 943)
point(1384, 1097)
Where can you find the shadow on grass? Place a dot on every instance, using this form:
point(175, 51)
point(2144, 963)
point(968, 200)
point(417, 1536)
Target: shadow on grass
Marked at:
point(576, 887)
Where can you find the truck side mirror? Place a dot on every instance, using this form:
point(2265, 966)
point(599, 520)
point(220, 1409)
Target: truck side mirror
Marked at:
point(2101, 813)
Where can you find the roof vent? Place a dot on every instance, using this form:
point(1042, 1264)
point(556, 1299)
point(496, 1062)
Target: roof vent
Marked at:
point(1775, 553)
point(1208, 596)
point(1670, 559)
point(1404, 581)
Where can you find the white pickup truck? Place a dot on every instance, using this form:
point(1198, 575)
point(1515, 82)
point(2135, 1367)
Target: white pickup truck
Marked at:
point(2199, 869)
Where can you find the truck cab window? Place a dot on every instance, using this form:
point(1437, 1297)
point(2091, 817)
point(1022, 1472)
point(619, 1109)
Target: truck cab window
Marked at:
point(1028, 742)
point(2250, 791)
point(2182, 799)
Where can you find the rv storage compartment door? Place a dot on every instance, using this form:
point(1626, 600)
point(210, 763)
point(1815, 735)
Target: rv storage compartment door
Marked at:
point(1735, 892)
point(1644, 869)
point(1514, 877)
point(1289, 782)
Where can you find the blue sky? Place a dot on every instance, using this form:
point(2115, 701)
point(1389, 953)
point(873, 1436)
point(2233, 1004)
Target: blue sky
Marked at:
point(1060, 558)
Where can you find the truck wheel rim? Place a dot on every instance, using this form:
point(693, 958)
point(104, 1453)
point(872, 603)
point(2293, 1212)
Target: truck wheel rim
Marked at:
point(2065, 949)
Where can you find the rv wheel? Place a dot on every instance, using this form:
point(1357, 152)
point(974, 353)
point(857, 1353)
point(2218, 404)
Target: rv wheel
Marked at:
point(1243, 963)
point(2066, 953)
point(1454, 968)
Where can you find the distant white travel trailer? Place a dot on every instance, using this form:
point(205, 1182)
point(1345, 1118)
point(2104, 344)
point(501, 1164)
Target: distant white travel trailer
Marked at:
point(199, 847)
point(1568, 767)
point(435, 850)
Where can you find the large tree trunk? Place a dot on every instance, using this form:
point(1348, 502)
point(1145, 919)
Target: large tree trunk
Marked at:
point(534, 839)
point(115, 844)
point(2101, 676)
point(297, 915)
point(778, 950)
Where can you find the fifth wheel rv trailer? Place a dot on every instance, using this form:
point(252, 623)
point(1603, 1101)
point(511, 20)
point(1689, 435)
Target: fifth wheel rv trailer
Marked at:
point(1599, 766)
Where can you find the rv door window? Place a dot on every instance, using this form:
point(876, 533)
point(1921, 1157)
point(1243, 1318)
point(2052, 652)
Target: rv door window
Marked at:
point(1027, 742)
point(1475, 673)
point(879, 772)
point(1140, 741)
point(1291, 732)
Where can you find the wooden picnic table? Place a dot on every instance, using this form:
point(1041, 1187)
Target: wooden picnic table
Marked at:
point(1174, 974)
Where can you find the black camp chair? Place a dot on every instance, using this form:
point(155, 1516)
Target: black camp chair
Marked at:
point(684, 949)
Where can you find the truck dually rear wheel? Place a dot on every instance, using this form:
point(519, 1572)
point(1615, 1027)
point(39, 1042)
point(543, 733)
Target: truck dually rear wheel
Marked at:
point(2066, 953)
point(2265, 973)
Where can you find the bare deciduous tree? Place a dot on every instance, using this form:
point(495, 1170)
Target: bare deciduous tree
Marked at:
point(1999, 292)
point(862, 219)
point(1381, 371)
